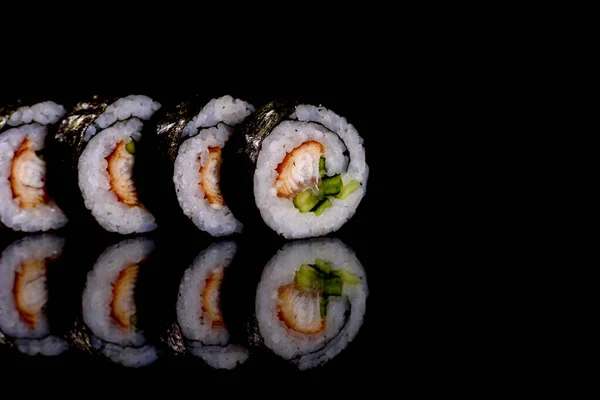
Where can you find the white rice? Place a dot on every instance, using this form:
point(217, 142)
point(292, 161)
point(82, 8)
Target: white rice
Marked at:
point(44, 113)
point(98, 292)
point(280, 214)
point(223, 112)
point(42, 217)
point(36, 340)
point(309, 350)
point(134, 357)
point(94, 182)
point(139, 106)
point(202, 339)
point(223, 109)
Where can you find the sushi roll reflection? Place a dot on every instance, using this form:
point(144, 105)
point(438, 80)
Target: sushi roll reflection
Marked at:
point(24, 294)
point(311, 300)
point(24, 201)
point(199, 309)
point(109, 305)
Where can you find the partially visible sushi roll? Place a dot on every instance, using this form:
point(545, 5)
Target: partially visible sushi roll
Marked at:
point(308, 165)
point(24, 294)
point(193, 138)
point(24, 201)
point(311, 301)
point(109, 304)
point(99, 140)
point(199, 314)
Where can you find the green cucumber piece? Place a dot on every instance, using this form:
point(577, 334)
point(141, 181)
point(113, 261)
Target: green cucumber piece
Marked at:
point(333, 286)
point(305, 201)
point(322, 171)
point(322, 206)
point(133, 320)
point(307, 277)
point(332, 185)
point(347, 276)
point(323, 306)
point(322, 266)
point(130, 147)
point(348, 189)
point(39, 155)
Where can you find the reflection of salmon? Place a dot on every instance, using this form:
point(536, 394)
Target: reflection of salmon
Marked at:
point(120, 169)
point(211, 175)
point(27, 176)
point(30, 290)
point(299, 169)
point(123, 303)
point(211, 297)
point(300, 310)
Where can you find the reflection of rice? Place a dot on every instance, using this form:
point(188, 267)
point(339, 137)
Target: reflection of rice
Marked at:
point(344, 315)
point(24, 294)
point(122, 344)
point(201, 324)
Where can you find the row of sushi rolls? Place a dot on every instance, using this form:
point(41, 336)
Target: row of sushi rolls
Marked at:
point(128, 165)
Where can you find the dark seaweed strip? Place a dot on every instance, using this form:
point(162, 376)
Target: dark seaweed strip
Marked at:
point(80, 337)
point(5, 113)
point(174, 340)
point(260, 125)
point(170, 127)
point(71, 130)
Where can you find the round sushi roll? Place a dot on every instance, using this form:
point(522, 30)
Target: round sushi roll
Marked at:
point(24, 294)
point(25, 204)
point(309, 168)
point(98, 140)
point(199, 313)
point(311, 301)
point(109, 304)
point(191, 138)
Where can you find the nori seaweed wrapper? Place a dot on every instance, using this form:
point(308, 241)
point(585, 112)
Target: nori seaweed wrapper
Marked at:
point(64, 144)
point(240, 157)
point(153, 170)
point(6, 111)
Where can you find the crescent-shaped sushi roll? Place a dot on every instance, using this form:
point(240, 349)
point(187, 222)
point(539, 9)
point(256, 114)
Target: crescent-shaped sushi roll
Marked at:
point(311, 301)
point(24, 294)
point(109, 308)
point(199, 314)
point(24, 201)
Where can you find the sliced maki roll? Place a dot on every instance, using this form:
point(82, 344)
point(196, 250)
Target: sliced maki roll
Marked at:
point(99, 140)
point(311, 301)
point(193, 138)
point(308, 169)
point(109, 304)
point(199, 314)
point(24, 294)
point(25, 204)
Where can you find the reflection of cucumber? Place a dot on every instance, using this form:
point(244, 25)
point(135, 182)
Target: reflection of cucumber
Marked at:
point(347, 277)
point(322, 266)
point(307, 277)
point(323, 306)
point(333, 286)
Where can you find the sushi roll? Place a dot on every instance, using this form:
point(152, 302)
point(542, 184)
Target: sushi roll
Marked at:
point(99, 140)
point(109, 304)
point(25, 204)
point(24, 294)
point(199, 314)
point(311, 301)
point(192, 139)
point(308, 165)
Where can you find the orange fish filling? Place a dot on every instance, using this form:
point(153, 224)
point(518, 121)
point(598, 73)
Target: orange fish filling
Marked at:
point(211, 175)
point(300, 309)
point(30, 292)
point(123, 303)
point(299, 169)
point(211, 297)
point(27, 177)
point(120, 170)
